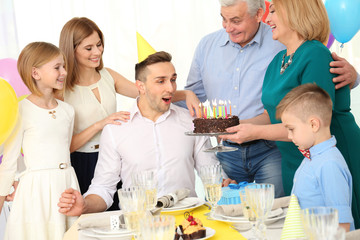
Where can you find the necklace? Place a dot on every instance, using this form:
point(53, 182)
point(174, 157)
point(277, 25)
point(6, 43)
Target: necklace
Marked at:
point(53, 114)
point(284, 66)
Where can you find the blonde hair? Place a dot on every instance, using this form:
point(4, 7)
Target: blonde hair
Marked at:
point(36, 54)
point(307, 17)
point(307, 100)
point(72, 34)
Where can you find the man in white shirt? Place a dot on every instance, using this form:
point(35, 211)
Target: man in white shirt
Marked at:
point(153, 138)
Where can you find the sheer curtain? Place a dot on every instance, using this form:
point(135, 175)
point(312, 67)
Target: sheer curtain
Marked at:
point(8, 32)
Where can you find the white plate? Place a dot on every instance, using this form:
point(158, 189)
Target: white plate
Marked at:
point(209, 233)
point(186, 204)
point(208, 134)
point(106, 231)
point(223, 218)
point(273, 214)
point(90, 233)
point(235, 220)
point(275, 219)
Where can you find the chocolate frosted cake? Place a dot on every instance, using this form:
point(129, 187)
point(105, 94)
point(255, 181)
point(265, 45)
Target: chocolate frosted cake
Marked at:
point(214, 125)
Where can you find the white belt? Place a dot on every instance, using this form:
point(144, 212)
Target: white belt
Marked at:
point(89, 147)
point(60, 166)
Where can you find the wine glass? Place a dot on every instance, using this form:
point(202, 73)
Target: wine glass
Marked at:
point(211, 176)
point(147, 181)
point(248, 213)
point(260, 198)
point(132, 202)
point(320, 223)
point(157, 227)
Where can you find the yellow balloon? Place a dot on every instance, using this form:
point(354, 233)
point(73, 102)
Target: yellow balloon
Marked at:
point(22, 97)
point(8, 110)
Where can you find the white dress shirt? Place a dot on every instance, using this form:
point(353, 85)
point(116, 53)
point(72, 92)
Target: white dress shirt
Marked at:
point(141, 144)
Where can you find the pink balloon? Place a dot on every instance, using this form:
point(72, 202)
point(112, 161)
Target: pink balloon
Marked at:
point(330, 41)
point(8, 71)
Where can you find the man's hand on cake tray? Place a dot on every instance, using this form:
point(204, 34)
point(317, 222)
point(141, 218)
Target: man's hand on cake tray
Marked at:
point(192, 103)
point(115, 118)
point(227, 181)
point(346, 72)
point(11, 196)
point(71, 203)
point(243, 132)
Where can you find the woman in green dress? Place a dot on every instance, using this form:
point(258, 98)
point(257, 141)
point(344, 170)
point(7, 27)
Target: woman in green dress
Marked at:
point(303, 27)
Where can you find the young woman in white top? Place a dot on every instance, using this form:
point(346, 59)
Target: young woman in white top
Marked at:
point(44, 131)
point(91, 89)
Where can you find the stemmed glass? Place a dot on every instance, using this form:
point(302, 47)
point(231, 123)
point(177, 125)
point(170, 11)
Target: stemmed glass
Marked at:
point(248, 213)
point(157, 227)
point(147, 181)
point(211, 176)
point(132, 202)
point(320, 223)
point(260, 198)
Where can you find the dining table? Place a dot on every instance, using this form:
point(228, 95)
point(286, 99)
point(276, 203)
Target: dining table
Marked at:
point(223, 230)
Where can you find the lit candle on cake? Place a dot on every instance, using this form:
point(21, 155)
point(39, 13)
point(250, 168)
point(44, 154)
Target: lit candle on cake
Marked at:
point(230, 107)
point(226, 115)
point(200, 109)
point(221, 107)
point(207, 110)
point(214, 108)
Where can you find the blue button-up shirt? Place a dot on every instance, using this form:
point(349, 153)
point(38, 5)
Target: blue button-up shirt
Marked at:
point(325, 181)
point(223, 70)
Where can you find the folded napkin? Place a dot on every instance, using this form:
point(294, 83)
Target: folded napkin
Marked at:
point(234, 210)
point(353, 235)
point(293, 227)
point(171, 199)
point(106, 220)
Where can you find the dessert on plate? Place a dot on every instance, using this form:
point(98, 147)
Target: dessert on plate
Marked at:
point(192, 227)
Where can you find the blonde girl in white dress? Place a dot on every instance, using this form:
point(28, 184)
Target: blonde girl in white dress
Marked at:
point(44, 132)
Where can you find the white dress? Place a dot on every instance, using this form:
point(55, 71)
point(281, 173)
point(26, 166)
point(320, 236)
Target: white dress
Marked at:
point(45, 141)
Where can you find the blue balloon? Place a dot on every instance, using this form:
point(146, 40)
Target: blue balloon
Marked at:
point(344, 18)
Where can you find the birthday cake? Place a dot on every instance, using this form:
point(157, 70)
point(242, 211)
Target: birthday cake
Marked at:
point(192, 228)
point(214, 125)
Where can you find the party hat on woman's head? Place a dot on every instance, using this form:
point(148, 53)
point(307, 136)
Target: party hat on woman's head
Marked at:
point(293, 227)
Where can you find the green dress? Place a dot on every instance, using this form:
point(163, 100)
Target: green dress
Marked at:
point(310, 64)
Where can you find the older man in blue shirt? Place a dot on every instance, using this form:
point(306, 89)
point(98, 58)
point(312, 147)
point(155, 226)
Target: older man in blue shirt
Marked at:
point(230, 64)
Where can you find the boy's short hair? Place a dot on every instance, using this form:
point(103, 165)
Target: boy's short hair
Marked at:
point(307, 100)
point(140, 68)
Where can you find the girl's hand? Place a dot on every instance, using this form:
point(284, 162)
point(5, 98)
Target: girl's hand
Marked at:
point(192, 103)
point(114, 119)
point(11, 196)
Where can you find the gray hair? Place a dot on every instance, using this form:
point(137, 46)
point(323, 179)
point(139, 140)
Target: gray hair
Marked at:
point(253, 5)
